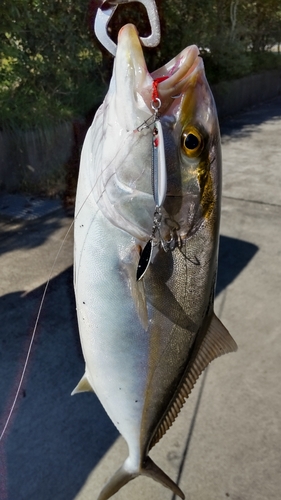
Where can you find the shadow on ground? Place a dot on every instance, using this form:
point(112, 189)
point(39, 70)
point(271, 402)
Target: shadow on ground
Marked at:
point(234, 256)
point(54, 440)
point(21, 234)
point(246, 122)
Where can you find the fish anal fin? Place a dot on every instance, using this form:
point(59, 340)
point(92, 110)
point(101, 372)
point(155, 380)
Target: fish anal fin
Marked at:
point(216, 342)
point(83, 386)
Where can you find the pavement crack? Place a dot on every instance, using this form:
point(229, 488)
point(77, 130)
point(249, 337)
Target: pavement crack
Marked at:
point(257, 202)
point(191, 429)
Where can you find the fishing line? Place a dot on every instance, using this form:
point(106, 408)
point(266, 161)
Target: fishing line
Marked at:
point(34, 331)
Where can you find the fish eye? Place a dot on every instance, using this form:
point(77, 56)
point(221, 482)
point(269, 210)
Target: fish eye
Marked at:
point(192, 142)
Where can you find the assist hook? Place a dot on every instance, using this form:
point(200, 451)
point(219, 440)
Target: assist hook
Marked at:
point(105, 13)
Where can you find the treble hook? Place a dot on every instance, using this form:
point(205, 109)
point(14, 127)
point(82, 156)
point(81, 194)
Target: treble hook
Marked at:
point(105, 13)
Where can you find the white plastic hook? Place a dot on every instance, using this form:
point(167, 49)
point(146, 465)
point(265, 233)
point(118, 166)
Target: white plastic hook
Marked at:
point(105, 13)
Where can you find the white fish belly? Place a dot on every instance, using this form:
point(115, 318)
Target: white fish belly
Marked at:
point(115, 344)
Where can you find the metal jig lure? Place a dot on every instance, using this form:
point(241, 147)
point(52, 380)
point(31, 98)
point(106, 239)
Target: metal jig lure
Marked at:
point(158, 167)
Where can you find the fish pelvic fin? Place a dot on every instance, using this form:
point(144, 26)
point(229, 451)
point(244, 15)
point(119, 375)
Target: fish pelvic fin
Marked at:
point(216, 342)
point(83, 386)
point(126, 473)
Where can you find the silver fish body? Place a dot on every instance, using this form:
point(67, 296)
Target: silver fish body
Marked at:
point(146, 342)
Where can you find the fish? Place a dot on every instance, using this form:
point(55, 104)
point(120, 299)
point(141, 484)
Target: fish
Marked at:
point(147, 336)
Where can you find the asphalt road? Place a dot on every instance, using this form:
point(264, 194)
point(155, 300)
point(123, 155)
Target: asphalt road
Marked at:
point(226, 442)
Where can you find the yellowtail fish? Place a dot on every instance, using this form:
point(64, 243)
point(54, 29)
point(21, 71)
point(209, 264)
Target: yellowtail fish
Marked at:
point(146, 245)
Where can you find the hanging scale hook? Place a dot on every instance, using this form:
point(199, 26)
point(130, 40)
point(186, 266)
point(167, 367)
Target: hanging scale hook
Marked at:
point(105, 13)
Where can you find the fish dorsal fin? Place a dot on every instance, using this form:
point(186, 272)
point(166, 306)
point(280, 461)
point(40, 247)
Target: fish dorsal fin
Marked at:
point(217, 341)
point(83, 386)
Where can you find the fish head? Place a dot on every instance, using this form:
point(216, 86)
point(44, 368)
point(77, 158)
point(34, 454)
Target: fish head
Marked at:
point(191, 136)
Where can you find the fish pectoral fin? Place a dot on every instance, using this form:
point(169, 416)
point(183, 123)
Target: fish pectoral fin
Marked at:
point(126, 473)
point(216, 342)
point(83, 386)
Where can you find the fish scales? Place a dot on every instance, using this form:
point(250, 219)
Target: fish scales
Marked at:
point(145, 342)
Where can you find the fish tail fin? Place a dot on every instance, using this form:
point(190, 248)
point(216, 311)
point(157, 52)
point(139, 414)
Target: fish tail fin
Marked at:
point(121, 477)
point(150, 469)
point(126, 473)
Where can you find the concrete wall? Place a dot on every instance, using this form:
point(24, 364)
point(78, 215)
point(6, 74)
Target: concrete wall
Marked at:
point(232, 97)
point(29, 158)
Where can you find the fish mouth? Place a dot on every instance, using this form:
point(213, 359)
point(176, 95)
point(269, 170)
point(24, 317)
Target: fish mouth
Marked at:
point(179, 73)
